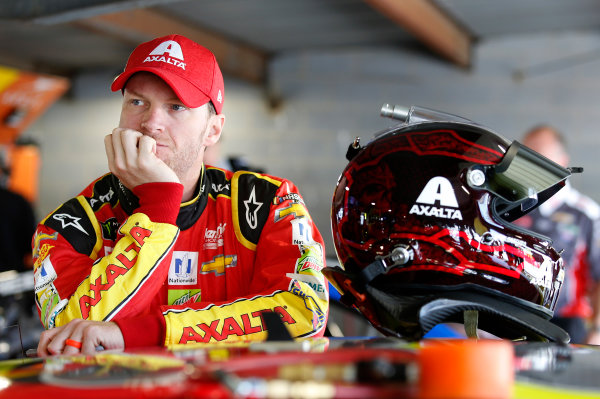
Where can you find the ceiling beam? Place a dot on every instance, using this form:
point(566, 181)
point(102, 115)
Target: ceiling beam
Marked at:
point(60, 12)
point(431, 26)
point(135, 26)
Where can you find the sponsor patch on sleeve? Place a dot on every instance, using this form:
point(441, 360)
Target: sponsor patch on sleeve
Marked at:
point(312, 281)
point(301, 232)
point(44, 275)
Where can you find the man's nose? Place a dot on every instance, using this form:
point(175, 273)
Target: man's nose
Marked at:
point(153, 120)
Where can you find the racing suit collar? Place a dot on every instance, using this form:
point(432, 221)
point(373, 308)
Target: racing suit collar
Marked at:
point(189, 211)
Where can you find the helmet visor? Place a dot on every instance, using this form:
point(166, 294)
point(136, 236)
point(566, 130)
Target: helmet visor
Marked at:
point(523, 180)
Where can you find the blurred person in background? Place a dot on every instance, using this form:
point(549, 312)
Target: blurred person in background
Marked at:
point(571, 220)
point(19, 325)
point(17, 227)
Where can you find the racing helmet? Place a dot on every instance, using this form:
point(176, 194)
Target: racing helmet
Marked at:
point(422, 226)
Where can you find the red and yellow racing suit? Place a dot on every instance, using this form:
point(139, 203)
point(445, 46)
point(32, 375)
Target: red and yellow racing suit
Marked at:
point(171, 273)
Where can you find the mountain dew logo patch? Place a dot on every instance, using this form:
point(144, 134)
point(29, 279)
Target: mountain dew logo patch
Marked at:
point(311, 258)
point(183, 297)
point(437, 199)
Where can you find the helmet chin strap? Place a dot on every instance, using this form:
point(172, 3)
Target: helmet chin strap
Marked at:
point(471, 319)
point(400, 256)
point(471, 324)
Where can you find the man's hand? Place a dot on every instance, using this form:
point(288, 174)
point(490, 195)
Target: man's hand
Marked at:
point(593, 337)
point(132, 158)
point(91, 334)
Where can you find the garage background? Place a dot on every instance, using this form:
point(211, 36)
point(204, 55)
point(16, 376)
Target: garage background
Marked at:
point(303, 78)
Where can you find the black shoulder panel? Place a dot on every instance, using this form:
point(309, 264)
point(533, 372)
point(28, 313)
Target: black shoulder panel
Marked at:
point(217, 182)
point(72, 222)
point(255, 194)
point(105, 190)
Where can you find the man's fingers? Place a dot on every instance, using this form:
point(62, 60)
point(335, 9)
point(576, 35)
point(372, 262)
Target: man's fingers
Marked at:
point(56, 338)
point(110, 152)
point(147, 145)
point(73, 342)
point(80, 336)
point(133, 158)
point(129, 145)
point(114, 151)
point(121, 149)
point(93, 336)
point(45, 339)
point(71, 331)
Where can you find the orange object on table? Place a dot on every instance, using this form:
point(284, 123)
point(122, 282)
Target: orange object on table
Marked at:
point(466, 368)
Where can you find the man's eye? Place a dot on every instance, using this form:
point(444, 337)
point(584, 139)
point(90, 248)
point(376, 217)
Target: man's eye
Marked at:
point(136, 101)
point(177, 107)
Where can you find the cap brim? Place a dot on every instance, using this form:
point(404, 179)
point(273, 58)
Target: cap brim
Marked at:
point(189, 94)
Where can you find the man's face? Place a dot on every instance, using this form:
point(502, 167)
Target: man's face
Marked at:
point(151, 107)
point(545, 143)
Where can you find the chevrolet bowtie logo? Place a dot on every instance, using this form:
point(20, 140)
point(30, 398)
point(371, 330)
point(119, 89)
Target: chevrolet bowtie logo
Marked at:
point(218, 264)
point(297, 210)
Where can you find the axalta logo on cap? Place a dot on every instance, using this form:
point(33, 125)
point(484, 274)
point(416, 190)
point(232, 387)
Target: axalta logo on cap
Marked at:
point(438, 189)
point(170, 47)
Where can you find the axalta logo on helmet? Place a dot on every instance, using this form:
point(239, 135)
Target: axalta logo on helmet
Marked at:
point(437, 191)
point(170, 47)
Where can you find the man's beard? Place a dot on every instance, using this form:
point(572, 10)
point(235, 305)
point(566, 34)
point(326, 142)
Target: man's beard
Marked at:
point(181, 162)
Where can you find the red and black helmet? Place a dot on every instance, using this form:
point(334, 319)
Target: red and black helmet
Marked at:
point(421, 221)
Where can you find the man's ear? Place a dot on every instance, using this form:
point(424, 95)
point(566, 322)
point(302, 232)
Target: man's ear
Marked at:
point(214, 128)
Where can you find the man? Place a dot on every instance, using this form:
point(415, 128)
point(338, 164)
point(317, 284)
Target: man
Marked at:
point(16, 230)
point(571, 220)
point(164, 250)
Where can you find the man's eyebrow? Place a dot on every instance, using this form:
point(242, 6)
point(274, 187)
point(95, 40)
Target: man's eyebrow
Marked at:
point(134, 93)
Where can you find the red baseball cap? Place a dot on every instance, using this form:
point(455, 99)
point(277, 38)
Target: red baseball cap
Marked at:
point(189, 69)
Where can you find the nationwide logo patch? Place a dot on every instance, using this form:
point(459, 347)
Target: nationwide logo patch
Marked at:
point(437, 200)
point(44, 275)
point(301, 232)
point(184, 268)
